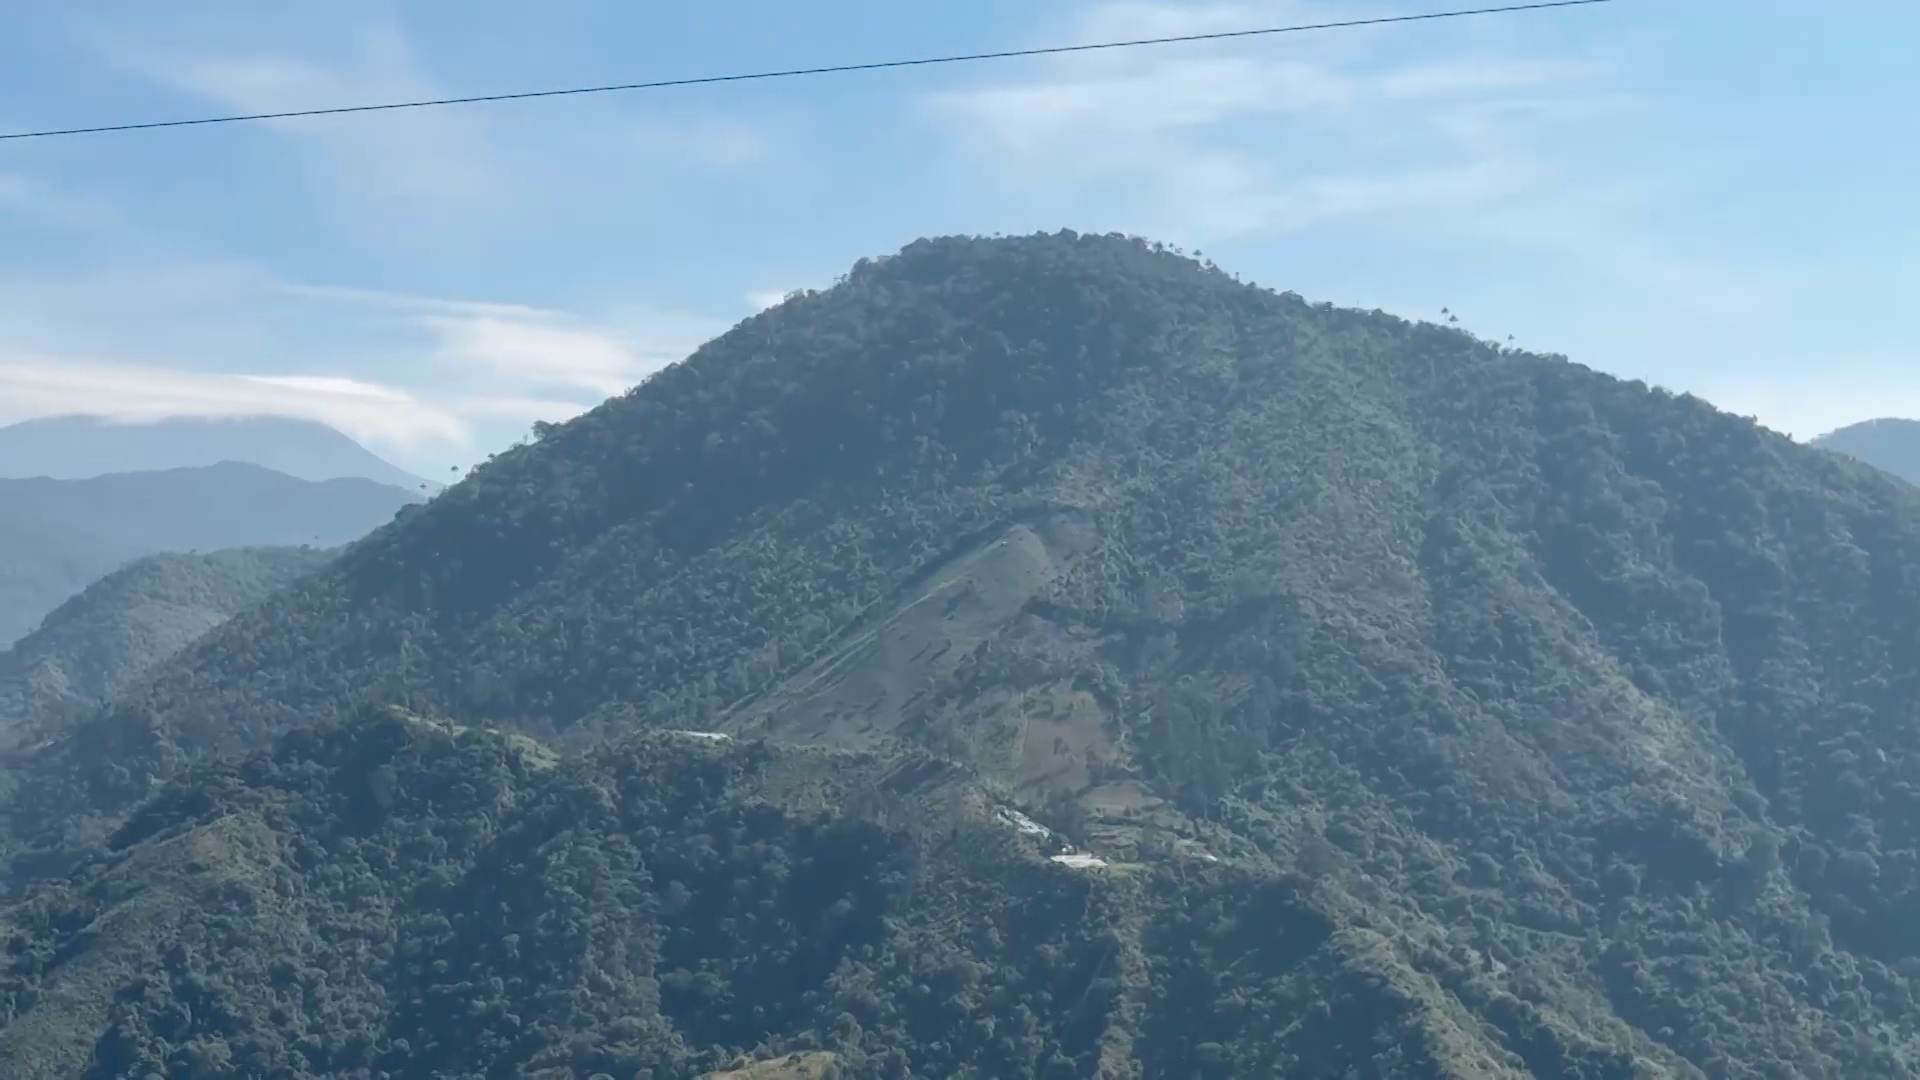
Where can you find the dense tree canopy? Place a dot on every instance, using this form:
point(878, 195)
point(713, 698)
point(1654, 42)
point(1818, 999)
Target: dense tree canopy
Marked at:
point(101, 641)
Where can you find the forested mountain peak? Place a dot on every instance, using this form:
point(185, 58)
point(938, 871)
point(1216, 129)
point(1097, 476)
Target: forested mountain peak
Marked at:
point(1569, 724)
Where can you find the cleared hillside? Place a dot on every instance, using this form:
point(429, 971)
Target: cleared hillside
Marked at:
point(1596, 706)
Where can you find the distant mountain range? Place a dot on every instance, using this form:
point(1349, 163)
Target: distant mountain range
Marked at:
point(58, 536)
point(1891, 445)
point(81, 447)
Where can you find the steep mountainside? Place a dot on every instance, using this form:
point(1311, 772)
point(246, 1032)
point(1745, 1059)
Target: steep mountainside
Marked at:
point(58, 536)
point(1892, 445)
point(1588, 712)
point(398, 897)
point(80, 447)
point(99, 642)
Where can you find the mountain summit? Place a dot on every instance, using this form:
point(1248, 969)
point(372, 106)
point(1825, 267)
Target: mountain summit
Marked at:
point(1196, 681)
point(80, 447)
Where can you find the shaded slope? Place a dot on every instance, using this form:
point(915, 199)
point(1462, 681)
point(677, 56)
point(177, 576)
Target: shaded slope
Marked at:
point(81, 447)
point(1603, 698)
point(58, 536)
point(96, 644)
point(1889, 444)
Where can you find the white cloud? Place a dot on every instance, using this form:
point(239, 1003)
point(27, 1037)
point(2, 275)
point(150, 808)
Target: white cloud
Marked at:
point(519, 347)
point(36, 385)
point(540, 352)
point(426, 377)
point(147, 322)
point(333, 386)
point(410, 302)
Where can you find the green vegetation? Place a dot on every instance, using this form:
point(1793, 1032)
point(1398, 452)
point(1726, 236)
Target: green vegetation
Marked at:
point(393, 896)
point(58, 536)
point(1432, 709)
point(96, 644)
point(1893, 445)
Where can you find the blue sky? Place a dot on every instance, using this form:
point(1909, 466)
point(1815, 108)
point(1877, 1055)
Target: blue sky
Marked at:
point(1713, 196)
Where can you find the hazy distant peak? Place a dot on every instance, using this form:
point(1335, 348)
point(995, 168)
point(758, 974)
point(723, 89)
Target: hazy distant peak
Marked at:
point(1891, 444)
point(80, 447)
point(56, 536)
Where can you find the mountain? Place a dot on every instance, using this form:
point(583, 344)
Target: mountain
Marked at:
point(81, 447)
point(57, 536)
point(1414, 707)
point(1892, 445)
point(96, 644)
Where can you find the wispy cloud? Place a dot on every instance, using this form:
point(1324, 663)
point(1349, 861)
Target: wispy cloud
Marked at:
point(546, 351)
point(427, 156)
point(708, 141)
point(447, 177)
point(529, 348)
point(148, 321)
point(518, 409)
point(762, 299)
point(418, 374)
point(1275, 135)
point(35, 385)
point(33, 202)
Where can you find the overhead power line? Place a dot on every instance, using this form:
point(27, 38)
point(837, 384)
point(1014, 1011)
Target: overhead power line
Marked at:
point(837, 69)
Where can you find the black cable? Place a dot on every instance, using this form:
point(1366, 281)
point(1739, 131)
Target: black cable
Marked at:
point(796, 72)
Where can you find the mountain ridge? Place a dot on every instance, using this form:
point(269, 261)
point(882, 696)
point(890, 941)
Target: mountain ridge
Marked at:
point(1569, 724)
point(58, 536)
